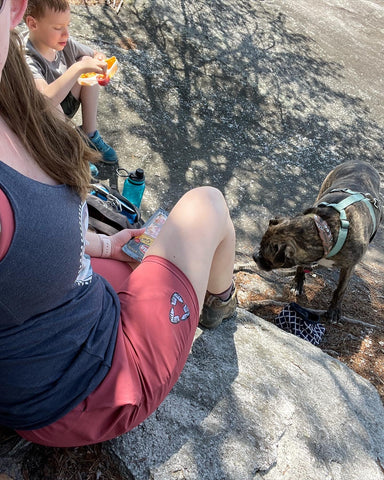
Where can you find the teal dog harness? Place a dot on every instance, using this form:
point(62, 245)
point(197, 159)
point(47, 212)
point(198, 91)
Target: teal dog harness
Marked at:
point(344, 223)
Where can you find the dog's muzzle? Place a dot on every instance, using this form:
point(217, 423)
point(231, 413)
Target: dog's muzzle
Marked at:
point(261, 262)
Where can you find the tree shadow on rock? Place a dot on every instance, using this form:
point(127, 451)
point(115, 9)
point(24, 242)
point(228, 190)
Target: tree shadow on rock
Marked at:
point(229, 96)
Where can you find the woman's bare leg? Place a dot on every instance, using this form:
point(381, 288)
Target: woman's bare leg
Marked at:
point(199, 238)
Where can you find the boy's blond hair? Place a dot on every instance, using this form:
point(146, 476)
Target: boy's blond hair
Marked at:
point(38, 8)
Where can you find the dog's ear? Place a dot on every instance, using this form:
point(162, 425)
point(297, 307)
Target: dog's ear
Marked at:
point(275, 221)
point(309, 210)
point(289, 252)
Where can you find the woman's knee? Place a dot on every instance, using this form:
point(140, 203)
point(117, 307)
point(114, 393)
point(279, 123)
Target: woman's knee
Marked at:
point(208, 199)
point(210, 191)
point(207, 207)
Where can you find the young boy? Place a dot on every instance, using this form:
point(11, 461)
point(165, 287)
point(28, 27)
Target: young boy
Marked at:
point(56, 61)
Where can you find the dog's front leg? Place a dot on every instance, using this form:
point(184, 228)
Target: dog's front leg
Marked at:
point(298, 281)
point(334, 310)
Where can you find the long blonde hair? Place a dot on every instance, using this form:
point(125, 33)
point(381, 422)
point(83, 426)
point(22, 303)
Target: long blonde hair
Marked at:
point(52, 141)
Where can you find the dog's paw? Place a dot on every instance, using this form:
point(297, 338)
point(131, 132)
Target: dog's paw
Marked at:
point(296, 291)
point(298, 281)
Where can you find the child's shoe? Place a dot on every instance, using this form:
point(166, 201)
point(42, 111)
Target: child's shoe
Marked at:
point(216, 310)
point(97, 143)
point(94, 170)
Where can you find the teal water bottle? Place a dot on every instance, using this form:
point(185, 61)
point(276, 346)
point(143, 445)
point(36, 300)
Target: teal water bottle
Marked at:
point(134, 186)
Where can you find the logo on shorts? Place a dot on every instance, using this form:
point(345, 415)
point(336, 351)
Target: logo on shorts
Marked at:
point(179, 310)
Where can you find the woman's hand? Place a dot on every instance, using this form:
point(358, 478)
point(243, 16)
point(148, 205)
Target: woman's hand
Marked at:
point(121, 238)
point(105, 246)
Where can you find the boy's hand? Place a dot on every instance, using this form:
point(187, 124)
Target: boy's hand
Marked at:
point(92, 65)
point(99, 56)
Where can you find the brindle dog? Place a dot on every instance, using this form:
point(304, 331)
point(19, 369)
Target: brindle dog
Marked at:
point(316, 236)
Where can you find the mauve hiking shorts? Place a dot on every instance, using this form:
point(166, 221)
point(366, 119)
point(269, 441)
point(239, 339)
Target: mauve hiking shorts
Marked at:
point(159, 317)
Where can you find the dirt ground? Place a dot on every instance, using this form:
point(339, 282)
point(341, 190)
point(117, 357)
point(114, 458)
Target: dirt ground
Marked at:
point(111, 3)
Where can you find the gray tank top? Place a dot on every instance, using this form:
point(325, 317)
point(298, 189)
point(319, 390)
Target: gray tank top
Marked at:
point(58, 320)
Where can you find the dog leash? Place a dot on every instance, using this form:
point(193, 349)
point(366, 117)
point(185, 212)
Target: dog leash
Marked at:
point(344, 223)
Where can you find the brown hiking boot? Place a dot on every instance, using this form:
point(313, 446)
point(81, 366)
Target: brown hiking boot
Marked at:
point(216, 310)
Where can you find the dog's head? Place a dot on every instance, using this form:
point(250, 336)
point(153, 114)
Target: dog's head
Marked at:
point(288, 242)
point(276, 251)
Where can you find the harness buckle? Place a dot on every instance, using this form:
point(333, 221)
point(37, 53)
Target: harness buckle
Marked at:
point(344, 224)
point(373, 200)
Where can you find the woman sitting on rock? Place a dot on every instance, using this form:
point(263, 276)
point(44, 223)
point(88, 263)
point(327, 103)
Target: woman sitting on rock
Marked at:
point(89, 344)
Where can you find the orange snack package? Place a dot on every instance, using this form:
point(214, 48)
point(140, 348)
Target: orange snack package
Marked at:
point(94, 78)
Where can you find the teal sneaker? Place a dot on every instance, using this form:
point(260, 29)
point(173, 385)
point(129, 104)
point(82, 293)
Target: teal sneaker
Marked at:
point(96, 142)
point(94, 170)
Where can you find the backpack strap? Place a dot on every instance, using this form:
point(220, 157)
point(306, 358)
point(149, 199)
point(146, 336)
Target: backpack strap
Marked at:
point(101, 227)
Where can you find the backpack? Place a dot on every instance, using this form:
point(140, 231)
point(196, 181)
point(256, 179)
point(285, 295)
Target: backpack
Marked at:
point(109, 212)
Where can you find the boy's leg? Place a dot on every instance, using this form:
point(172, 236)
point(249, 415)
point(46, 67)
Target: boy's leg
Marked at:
point(199, 238)
point(89, 98)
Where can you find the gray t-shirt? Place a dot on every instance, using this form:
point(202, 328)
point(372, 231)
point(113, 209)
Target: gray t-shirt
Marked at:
point(51, 71)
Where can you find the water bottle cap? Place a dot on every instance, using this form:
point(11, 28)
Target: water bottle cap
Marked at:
point(137, 176)
point(139, 173)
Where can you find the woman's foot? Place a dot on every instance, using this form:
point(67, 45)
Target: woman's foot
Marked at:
point(215, 310)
